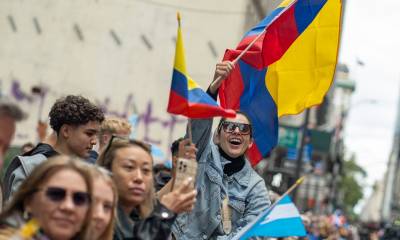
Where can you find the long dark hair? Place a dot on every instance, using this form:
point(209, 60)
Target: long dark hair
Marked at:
point(107, 157)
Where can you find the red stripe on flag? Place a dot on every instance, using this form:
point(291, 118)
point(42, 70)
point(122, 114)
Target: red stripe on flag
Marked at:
point(234, 86)
point(280, 35)
point(254, 154)
point(176, 103)
point(199, 110)
point(180, 105)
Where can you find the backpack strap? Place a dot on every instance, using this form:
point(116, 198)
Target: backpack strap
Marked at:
point(29, 163)
point(26, 164)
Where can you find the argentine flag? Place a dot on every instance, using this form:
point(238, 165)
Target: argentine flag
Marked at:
point(281, 220)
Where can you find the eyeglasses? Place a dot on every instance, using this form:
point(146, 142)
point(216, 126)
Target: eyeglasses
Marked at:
point(230, 127)
point(58, 194)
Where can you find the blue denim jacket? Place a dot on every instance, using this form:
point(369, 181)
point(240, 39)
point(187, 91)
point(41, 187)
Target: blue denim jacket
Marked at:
point(247, 192)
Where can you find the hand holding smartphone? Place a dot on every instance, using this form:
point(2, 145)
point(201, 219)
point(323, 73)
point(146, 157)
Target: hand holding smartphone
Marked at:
point(184, 169)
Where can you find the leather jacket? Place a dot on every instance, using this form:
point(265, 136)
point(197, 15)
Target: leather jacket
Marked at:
point(157, 226)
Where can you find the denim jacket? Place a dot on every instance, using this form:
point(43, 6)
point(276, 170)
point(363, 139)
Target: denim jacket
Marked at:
point(246, 190)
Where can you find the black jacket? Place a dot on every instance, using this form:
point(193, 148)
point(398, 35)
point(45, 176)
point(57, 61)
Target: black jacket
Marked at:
point(155, 227)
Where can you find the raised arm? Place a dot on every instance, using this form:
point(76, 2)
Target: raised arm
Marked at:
point(202, 128)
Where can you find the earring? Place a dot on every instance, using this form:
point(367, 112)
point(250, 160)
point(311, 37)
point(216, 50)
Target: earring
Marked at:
point(26, 215)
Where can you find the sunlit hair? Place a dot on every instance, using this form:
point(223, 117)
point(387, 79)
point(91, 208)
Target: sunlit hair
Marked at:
point(39, 176)
point(107, 157)
point(114, 124)
point(99, 173)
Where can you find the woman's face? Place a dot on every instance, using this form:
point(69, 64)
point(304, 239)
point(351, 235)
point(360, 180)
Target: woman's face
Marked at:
point(103, 207)
point(60, 204)
point(133, 175)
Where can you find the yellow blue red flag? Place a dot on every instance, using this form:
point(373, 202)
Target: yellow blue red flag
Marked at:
point(186, 97)
point(289, 68)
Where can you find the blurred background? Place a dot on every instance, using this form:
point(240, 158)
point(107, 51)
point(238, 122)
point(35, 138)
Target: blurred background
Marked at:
point(120, 54)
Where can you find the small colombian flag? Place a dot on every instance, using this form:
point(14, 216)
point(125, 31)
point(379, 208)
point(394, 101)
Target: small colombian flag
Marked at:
point(186, 97)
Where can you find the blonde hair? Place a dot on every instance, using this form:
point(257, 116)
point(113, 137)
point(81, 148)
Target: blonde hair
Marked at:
point(99, 173)
point(40, 175)
point(107, 157)
point(113, 125)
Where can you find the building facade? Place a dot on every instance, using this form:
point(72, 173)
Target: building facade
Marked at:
point(117, 53)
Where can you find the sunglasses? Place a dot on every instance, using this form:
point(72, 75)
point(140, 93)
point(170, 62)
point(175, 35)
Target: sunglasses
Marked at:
point(58, 194)
point(230, 127)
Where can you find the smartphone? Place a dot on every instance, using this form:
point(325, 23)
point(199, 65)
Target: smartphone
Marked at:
point(185, 168)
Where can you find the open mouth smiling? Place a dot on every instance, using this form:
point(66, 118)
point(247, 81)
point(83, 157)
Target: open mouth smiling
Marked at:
point(235, 141)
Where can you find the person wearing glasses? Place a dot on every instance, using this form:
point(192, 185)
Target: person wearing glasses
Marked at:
point(140, 215)
point(113, 126)
point(230, 193)
point(110, 126)
point(76, 122)
point(56, 195)
point(104, 200)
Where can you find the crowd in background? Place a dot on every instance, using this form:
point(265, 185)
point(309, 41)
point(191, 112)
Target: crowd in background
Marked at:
point(62, 188)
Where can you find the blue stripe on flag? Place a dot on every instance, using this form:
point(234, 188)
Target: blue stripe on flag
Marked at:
point(306, 11)
point(197, 95)
point(260, 27)
point(285, 200)
point(259, 105)
point(179, 84)
point(279, 228)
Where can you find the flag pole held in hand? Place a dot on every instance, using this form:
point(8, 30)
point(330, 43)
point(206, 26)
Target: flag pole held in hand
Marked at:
point(262, 225)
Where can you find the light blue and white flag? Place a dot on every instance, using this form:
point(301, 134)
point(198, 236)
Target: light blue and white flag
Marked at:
point(281, 220)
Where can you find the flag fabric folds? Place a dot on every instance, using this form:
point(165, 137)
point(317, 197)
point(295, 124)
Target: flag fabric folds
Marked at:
point(186, 97)
point(281, 220)
point(289, 68)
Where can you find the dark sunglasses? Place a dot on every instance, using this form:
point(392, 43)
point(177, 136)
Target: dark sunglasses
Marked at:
point(230, 127)
point(58, 194)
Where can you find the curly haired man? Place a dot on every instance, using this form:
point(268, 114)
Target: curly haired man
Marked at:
point(76, 122)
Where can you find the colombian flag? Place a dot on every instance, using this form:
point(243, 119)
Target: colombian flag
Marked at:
point(186, 97)
point(289, 68)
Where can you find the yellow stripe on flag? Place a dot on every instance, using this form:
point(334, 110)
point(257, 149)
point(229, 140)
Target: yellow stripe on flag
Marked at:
point(285, 3)
point(180, 63)
point(191, 83)
point(305, 71)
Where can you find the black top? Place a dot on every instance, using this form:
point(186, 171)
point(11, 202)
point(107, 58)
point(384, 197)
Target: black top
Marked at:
point(157, 226)
point(234, 165)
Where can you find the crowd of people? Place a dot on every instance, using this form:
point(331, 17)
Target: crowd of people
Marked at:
point(88, 180)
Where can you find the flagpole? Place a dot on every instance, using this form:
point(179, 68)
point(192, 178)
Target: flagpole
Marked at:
point(260, 34)
point(244, 230)
point(178, 17)
point(255, 39)
point(297, 183)
point(189, 130)
point(219, 78)
point(189, 125)
point(249, 46)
